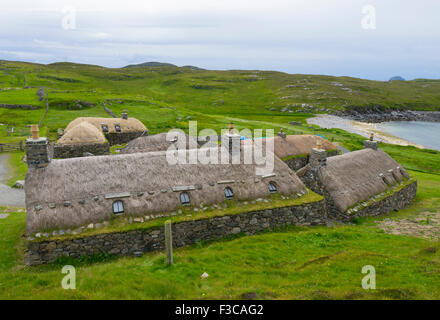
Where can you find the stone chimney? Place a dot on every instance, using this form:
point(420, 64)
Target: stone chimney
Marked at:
point(233, 140)
point(282, 134)
point(370, 144)
point(318, 156)
point(37, 150)
point(125, 115)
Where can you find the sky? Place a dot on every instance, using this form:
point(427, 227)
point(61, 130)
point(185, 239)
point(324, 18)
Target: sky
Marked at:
point(371, 39)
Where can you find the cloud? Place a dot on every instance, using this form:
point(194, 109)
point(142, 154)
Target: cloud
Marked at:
point(297, 36)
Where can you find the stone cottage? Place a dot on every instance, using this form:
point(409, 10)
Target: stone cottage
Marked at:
point(362, 183)
point(68, 193)
point(95, 135)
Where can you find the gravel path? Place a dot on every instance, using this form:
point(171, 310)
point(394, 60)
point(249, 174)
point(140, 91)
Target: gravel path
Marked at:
point(9, 196)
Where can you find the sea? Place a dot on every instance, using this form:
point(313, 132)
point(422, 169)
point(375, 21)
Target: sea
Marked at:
point(423, 133)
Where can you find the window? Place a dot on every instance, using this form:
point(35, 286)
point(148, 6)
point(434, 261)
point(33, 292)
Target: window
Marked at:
point(228, 193)
point(184, 198)
point(118, 207)
point(272, 187)
point(104, 128)
point(117, 128)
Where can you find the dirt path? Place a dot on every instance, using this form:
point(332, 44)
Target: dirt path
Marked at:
point(425, 225)
point(9, 196)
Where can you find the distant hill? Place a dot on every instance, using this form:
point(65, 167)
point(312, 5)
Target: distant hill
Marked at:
point(151, 64)
point(397, 78)
point(164, 97)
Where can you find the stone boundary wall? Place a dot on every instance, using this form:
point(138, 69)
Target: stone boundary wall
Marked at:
point(18, 106)
point(136, 242)
point(64, 151)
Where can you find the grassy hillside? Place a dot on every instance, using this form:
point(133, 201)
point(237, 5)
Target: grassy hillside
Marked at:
point(291, 263)
point(163, 97)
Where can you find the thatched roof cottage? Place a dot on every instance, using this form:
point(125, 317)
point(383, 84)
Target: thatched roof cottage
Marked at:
point(74, 192)
point(86, 135)
point(367, 182)
point(294, 150)
point(159, 142)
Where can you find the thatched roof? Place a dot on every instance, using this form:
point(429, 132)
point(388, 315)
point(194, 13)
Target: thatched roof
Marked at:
point(126, 125)
point(156, 142)
point(83, 133)
point(359, 175)
point(74, 192)
point(294, 145)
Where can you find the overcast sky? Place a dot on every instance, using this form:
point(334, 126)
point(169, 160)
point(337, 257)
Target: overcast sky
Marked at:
point(373, 39)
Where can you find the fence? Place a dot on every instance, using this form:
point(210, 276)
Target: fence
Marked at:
point(8, 147)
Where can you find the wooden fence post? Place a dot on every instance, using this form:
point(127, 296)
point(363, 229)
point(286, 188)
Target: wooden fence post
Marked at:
point(168, 242)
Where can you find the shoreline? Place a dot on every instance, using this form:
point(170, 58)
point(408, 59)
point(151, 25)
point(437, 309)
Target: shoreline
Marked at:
point(362, 128)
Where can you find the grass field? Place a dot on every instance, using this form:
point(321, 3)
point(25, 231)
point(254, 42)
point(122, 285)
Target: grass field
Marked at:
point(290, 263)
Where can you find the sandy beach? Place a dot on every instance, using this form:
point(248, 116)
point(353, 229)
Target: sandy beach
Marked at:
point(361, 128)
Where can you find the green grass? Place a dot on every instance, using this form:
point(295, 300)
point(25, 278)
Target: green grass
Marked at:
point(17, 166)
point(289, 263)
point(160, 96)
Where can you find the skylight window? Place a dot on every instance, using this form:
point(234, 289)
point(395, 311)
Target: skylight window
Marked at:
point(272, 187)
point(229, 194)
point(184, 198)
point(104, 128)
point(117, 128)
point(118, 207)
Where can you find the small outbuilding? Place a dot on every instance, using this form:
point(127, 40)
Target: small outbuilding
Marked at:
point(94, 136)
point(362, 183)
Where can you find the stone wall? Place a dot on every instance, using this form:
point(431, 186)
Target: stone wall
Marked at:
point(38, 152)
point(137, 242)
point(297, 163)
point(300, 162)
point(122, 137)
point(397, 201)
point(64, 151)
point(18, 106)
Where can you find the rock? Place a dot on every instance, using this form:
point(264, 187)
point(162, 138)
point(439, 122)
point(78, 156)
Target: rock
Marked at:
point(19, 184)
point(138, 254)
point(4, 216)
point(204, 275)
point(90, 226)
point(236, 230)
point(138, 220)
